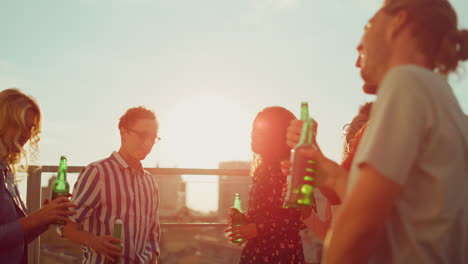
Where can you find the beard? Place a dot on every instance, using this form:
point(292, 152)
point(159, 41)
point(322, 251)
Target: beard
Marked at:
point(369, 88)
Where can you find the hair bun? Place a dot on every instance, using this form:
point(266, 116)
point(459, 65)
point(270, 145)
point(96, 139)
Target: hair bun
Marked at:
point(463, 48)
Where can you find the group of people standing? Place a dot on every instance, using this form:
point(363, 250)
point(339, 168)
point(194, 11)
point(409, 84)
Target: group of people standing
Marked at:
point(115, 188)
point(400, 189)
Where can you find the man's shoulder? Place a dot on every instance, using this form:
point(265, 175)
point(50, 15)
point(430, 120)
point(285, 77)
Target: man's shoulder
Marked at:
point(148, 174)
point(97, 164)
point(411, 70)
point(151, 177)
point(411, 81)
point(413, 77)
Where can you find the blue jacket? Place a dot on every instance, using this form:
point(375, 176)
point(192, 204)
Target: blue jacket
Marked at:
point(13, 241)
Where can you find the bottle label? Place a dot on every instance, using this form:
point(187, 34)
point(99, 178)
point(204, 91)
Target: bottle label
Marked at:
point(237, 219)
point(300, 181)
point(57, 195)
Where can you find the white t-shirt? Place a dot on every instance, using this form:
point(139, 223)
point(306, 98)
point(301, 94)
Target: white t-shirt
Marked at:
point(418, 137)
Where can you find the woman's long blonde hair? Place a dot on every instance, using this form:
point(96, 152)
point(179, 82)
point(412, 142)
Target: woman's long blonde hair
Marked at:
point(13, 107)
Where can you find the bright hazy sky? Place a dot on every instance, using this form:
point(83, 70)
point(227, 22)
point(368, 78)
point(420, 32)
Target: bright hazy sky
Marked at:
point(206, 67)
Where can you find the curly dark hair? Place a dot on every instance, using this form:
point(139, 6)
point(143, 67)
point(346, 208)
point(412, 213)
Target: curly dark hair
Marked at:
point(352, 128)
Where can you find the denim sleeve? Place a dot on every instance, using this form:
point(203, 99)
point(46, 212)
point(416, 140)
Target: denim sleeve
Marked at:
point(36, 232)
point(11, 234)
point(11, 231)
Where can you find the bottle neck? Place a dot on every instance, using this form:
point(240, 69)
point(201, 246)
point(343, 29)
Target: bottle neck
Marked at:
point(307, 133)
point(305, 112)
point(238, 204)
point(62, 171)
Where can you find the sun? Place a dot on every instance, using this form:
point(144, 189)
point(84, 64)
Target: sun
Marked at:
point(205, 130)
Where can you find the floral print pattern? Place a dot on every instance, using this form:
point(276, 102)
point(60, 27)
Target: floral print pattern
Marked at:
point(278, 240)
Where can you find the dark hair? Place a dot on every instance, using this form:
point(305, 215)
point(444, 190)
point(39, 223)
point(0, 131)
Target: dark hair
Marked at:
point(355, 125)
point(279, 119)
point(436, 30)
point(134, 114)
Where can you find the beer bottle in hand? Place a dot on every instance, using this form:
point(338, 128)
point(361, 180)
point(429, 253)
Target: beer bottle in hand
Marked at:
point(302, 174)
point(117, 234)
point(60, 186)
point(237, 215)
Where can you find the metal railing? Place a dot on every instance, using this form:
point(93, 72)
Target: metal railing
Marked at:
point(34, 198)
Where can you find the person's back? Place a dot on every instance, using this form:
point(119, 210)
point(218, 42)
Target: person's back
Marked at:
point(429, 222)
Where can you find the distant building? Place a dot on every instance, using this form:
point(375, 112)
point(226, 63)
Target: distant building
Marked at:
point(172, 194)
point(229, 185)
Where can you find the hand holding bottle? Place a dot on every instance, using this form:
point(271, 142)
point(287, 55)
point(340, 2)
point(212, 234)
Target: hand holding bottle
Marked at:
point(329, 176)
point(294, 132)
point(243, 232)
point(118, 234)
point(53, 211)
point(234, 216)
point(106, 245)
point(60, 187)
point(56, 210)
point(301, 178)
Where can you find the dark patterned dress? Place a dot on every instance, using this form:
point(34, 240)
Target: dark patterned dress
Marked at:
point(278, 240)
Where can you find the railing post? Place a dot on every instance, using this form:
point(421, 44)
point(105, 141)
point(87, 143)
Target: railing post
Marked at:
point(33, 202)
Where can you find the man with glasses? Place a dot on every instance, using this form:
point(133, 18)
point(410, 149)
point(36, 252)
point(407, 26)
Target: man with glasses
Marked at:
point(119, 188)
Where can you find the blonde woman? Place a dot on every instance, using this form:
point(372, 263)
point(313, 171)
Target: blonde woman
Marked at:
point(20, 122)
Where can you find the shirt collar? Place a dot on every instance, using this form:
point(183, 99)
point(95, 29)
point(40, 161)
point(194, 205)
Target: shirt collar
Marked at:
point(124, 164)
point(120, 160)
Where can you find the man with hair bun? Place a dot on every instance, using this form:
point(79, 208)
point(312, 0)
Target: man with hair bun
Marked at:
point(118, 188)
point(405, 197)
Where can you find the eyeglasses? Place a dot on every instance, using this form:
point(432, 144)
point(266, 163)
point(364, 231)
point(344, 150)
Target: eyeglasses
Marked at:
point(144, 136)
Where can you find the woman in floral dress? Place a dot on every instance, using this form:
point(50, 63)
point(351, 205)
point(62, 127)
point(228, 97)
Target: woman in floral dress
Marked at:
point(272, 233)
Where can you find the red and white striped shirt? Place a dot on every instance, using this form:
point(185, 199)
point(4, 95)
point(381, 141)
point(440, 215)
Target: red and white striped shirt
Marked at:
point(110, 189)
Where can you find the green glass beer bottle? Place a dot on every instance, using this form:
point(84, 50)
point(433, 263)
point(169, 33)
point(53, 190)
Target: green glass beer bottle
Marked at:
point(60, 186)
point(118, 234)
point(238, 217)
point(302, 174)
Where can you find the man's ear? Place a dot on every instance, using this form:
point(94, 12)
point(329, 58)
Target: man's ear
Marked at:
point(397, 24)
point(123, 133)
